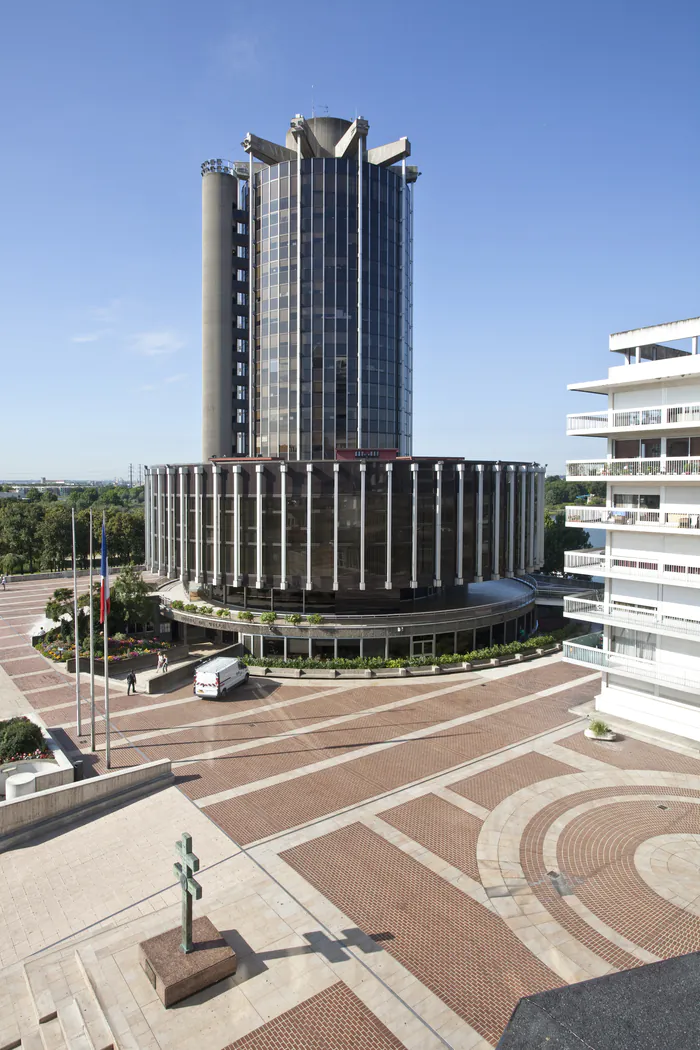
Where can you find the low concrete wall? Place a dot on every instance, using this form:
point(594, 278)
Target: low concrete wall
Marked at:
point(134, 663)
point(401, 672)
point(31, 815)
point(66, 574)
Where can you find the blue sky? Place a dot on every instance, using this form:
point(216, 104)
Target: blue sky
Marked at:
point(558, 202)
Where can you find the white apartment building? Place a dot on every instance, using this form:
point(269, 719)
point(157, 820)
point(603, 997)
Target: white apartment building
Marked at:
point(649, 604)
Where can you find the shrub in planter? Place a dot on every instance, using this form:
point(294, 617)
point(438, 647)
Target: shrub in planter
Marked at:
point(268, 617)
point(177, 604)
point(598, 727)
point(205, 610)
point(245, 615)
point(294, 619)
point(223, 614)
point(19, 736)
point(315, 618)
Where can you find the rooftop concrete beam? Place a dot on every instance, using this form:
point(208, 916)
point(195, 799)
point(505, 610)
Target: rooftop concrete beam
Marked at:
point(658, 333)
point(389, 153)
point(349, 143)
point(269, 152)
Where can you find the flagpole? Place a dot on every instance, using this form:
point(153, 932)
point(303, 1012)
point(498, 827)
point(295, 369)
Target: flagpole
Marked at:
point(75, 627)
point(106, 649)
point(92, 649)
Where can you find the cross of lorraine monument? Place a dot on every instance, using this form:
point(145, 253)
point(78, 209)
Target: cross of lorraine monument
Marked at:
point(202, 957)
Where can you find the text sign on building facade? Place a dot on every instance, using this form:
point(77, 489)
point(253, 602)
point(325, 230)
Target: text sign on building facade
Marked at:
point(366, 453)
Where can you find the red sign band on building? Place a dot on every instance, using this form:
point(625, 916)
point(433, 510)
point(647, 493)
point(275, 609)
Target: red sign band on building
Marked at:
point(366, 453)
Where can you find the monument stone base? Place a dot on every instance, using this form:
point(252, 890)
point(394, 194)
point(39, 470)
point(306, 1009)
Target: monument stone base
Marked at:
point(176, 976)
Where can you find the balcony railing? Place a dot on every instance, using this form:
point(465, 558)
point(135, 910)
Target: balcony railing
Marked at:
point(635, 418)
point(592, 606)
point(635, 517)
point(641, 565)
point(586, 650)
point(667, 466)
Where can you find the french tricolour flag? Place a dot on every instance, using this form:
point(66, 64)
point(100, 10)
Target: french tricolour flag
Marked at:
point(104, 579)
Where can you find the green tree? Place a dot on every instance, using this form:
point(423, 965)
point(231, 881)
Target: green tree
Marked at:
point(33, 495)
point(558, 537)
point(56, 537)
point(132, 594)
point(59, 608)
point(20, 524)
point(48, 496)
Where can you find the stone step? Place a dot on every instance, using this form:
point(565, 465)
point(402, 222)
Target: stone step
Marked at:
point(52, 1036)
point(93, 1015)
point(32, 1040)
point(73, 1027)
point(41, 996)
point(113, 996)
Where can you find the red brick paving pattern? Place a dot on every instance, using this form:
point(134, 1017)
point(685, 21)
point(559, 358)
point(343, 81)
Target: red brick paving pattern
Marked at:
point(629, 753)
point(279, 807)
point(444, 829)
point(599, 846)
point(335, 1019)
point(438, 933)
point(493, 785)
point(534, 869)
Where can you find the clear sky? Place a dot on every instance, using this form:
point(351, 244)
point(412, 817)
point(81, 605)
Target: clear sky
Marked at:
point(558, 202)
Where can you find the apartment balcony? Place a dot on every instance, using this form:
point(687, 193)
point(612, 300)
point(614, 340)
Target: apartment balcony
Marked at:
point(678, 569)
point(588, 652)
point(592, 606)
point(657, 417)
point(686, 519)
point(666, 468)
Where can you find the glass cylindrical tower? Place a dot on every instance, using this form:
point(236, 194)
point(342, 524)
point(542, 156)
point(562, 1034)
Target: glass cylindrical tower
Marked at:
point(332, 314)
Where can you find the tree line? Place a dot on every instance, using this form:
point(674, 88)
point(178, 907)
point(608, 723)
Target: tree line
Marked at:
point(558, 492)
point(36, 535)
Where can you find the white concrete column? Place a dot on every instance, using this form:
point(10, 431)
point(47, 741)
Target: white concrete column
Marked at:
point(479, 575)
point(363, 515)
point(216, 523)
point(309, 515)
point(694, 344)
point(198, 471)
point(283, 526)
point(159, 523)
point(258, 524)
point(414, 527)
point(531, 522)
point(389, 497)
point(237, 524)
point(496, 529)
point(459, 568)
point(539, 546)
point(336, 506)
point(170, 515)
point(511, 520)
point(183, 524)
point(522, 470)
point(437, 581)
point(147, 539)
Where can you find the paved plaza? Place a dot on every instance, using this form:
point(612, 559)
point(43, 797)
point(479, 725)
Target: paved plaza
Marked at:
point(396, 862)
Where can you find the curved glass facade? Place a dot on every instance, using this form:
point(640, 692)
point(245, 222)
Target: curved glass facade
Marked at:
point(323, 380)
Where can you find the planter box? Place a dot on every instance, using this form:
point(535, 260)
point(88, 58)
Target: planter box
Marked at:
point(319, 673)
point(258, 672)
point(284, 672)
point(599, 736)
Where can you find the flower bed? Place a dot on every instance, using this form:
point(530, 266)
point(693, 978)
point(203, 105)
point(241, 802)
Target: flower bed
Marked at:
point(21, 740)
point(119, 649)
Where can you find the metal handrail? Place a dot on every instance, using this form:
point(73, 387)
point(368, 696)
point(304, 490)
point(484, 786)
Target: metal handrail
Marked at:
point(647, 619)
point(578, 651)
point(635, 418)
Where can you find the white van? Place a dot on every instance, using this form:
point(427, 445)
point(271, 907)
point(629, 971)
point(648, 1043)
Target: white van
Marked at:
point(217, 677)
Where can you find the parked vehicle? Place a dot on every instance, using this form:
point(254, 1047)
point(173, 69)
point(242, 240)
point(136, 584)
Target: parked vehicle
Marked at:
point(219, 676)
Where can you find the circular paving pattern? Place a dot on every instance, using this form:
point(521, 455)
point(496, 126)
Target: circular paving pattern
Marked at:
point(578, 872)
point(670, 866)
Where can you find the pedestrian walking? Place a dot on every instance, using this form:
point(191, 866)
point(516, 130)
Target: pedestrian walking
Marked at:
point(160, 662)
point(165, 663)
point(130, 683)
point(3, 581)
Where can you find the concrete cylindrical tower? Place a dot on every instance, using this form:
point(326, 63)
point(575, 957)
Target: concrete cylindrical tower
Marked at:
point(219, 198)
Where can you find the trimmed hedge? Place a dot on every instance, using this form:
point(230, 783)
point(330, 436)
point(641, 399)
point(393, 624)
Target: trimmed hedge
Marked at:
point(20, 738)
point(373, 662)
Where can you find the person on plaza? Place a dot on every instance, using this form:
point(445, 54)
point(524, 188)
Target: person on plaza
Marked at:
point(3, 581)
point(165, 663)
point(160, 662)
point(130, 683)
